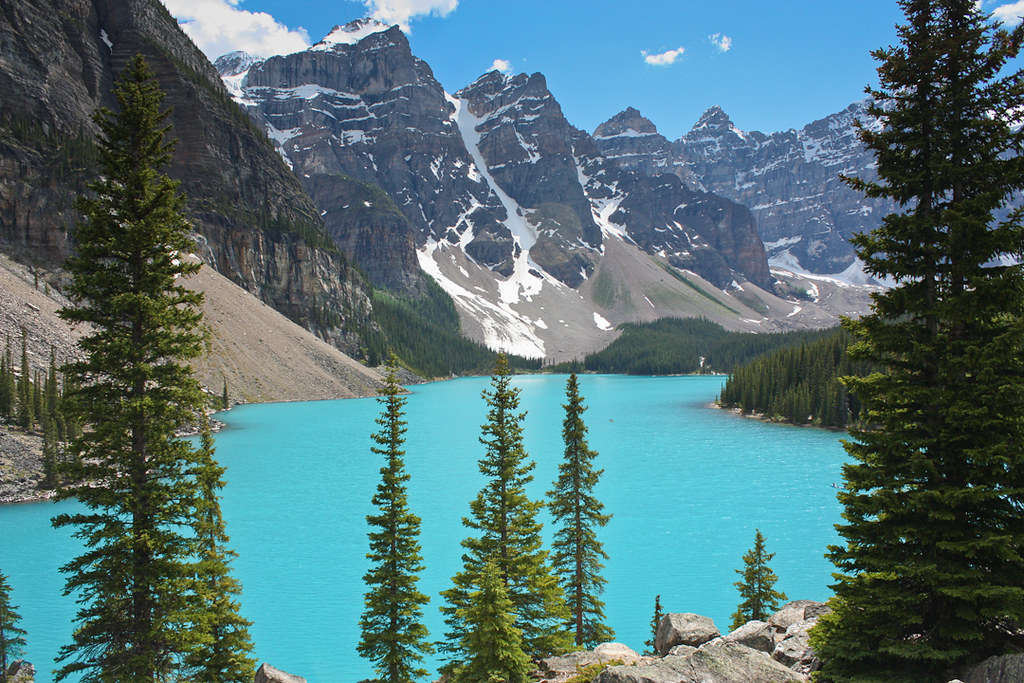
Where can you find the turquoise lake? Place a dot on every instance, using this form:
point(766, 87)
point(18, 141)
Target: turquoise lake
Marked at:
point(687, 485)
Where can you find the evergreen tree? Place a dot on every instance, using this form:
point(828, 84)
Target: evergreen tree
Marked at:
point(51, 454)
point(12, 637)
point(223, 653)
point(577, 514)
point(134, 479)
point(933, 537)
point(26, 414)
point(757, 586)
point(224, 402)
point(655, 621)
point(393, 634)
point(491, 641)
point(509, 535)
point(7, 386)
point(51, 392)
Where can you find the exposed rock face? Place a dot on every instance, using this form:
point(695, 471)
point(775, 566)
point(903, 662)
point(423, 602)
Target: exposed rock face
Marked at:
point(268, 674)
point(790, 182)
point(60, 60)
point(633, 143)
point(683, 629)
point(527, 146)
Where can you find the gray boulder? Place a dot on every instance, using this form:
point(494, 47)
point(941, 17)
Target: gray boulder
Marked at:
point(795, 611)
point(1004, 669)
point(268, 674)
point(719, 662)
point(606, 652)
point(683, 650)
point(683, 629)
point(794, 649)
point(757, 635)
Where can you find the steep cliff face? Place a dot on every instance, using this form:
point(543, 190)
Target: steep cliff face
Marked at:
point(358, 110)
point(257, 226)
point(791, 183)
point(790, 180)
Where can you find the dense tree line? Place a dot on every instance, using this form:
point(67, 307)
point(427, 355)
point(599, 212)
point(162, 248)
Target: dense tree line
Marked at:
point(799, 384)
point(674, 346)
point(35, 400)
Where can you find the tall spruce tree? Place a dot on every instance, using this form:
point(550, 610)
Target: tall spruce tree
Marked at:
point(8, 391)
point(930, 571)
point(756, 586)
point(12, 636)
point(491, 641)
point(509, 535)
point(223, 653)
point(393, 634)
point(576, 553)
point(26, 412)
point(134, 389)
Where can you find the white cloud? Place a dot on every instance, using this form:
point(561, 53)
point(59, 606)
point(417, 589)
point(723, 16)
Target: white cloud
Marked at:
point(219, 26)
point(402, 11)
point(664, 58)
point(502, 65)
point(1010, 13)
point(723, 42)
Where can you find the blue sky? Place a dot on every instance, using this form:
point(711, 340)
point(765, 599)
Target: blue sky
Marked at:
point(770, 66)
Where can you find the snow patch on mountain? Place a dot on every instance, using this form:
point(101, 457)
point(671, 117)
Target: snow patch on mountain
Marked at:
point(351, 33)
point(522, 284)
point(504, 329)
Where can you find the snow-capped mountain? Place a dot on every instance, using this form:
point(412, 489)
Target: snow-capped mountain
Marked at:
point(789, 180)
point(543, 237)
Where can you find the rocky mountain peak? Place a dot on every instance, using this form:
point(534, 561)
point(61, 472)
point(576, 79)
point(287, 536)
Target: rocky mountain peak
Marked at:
point(353, 32)
point(715, 122)
point(235, 63)
point(628, 122)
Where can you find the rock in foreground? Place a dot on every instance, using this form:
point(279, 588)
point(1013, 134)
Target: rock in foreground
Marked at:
point(683, 629)
point(268, 674)
point(720, 662)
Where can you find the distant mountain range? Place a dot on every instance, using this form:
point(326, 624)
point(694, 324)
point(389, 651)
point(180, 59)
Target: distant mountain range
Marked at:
point(545, 235)
point(348, 168)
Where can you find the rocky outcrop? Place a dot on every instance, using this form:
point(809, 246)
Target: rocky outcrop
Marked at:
point(256, 224)
point(268, 674)
point(602, 654)
point(683, 629)
point(712, 663)
point(21, 671)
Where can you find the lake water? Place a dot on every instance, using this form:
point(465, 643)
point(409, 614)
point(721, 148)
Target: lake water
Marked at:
point(687, 485)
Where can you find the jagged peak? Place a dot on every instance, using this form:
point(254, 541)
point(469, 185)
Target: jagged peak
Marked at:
point(235, 63)
point(626, 122)
point(352, 32)
point(715, 122)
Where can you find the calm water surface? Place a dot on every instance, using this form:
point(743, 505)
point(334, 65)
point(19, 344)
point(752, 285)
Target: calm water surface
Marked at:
point(687, 485)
